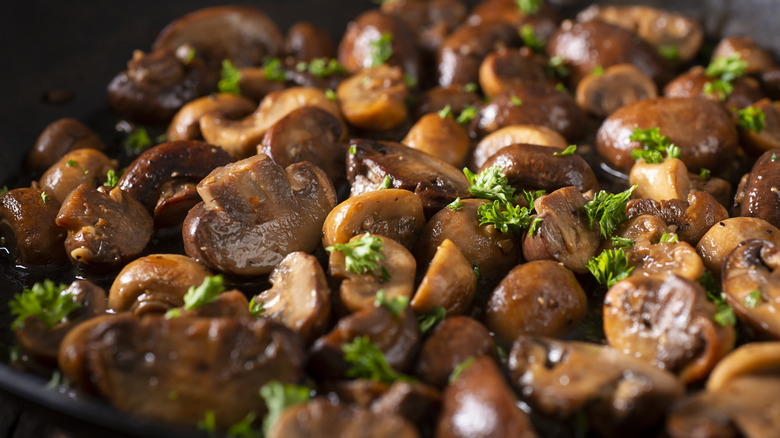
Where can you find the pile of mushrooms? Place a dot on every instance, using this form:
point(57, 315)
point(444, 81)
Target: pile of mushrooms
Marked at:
point(359, 208)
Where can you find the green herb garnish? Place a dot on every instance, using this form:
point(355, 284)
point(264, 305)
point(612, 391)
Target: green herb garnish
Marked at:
point(471, 87)
point(654, 146)
point(331, 95)
point(322, 67)
point(445, 112)
point(556, 67)
point(505, 218)
point(387, 182)
point(530, 197)
point(752, 299)
point(410, 80)
point(460, 368)
point(724, 313)
point(516, 101)
point(243, 429)
point(490, 184)
point(429, 320)
point(71, 163)
point(529, 7)
point(352, 150)
point(362, 255)
point(230, 79)
point(279, 396)
point(3, 190)
point(608, 210)
point(137, 140)
point(621, 242)
point(44, 197)
point(456, 204)
point(597, 71)
point(530, 39)
point(209, 423)
point(669, 51)
point(704, 174)
point(752, 118)
point(467, 115)
point(668, 238)
point(723, 70)
point(256, 307)
point(396, 306)
point(610, 266)
point(196, 297)
point(381, 49)
point(368, 362)
point(568, 151)
point(273, 71)
point(111, 178)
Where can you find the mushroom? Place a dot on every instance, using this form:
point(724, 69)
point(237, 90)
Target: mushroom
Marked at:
point(454, 340)
point(719, 188)
point(241, 137)
point(534, 167)
point(770, 82)
point(322, 417)
point(437, 98)
point(254, 212)
point(229, 304)
point(309, 134)
point(665, 30)
point(147, 366)
point(163, 177)
point(42, 342)
point(565, 234)
point(752, 358)
point(660, 181)
point(757, 59)
point(394, 275)
point(449, 282)
point(186, 123)
point(507, 68)
point(479, 403)
point(693, 82)
point(154, 284)
point(434, 181)
point(536, 298)
point(106, 228)
point(725, 235)
point(760, 193)
point(701, 128)
point(666, 321)
point(27, 228)
point(395, 213)
point(299, 297)
point(760, 141)
point(305, 41)
point(532, 104)
point(441, 137)
point(492, 252)
point(544, 18)
point(462, 52)
point(374, 98)
point(750, 284)
point(429, 21)
point(530, 134)
point(56, 140)
point(80, 166)
point(586, 46)
point(157, 84)
point(417, 402)
point(619, 395)
point(603, 93)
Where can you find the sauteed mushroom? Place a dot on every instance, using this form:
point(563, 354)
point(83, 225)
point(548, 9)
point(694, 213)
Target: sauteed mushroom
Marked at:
point(441, 137)
point(760, 197)
point(81, 166)
point(725, 235)
point(374, 98)
point(305, 41)
point(186, 123)
point(602, 94)
point(462, 52)
point(449, 282)
point(506, 68)
point(529, 134)
point(56, 140)
point(27, 228)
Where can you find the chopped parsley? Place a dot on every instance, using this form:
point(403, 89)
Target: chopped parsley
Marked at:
point(137, 140)
point(773, 158)
point(568, 151)
point(510, 218)
point(668, 238)
point(386, 183)
point(490, 184)
point(555, 67)
point(705, 174)
point(530, 39)
point(456, 204)
point(331, 95)
point(445, 112)
point(71, 163)
point(467, 115)
point(279, 396)
point(460, 368)
point(243, 429)
point(352, 150)
point(111, 178)
point(256, 307)
point(530, 197)
point(471, 87)
point(366, 361)
point(230, 78)
point(622, 242)
point(610, 266)
point(752, 118)
point(44, 197)
point(654, 146)
point(608, 210)
point(669, 51)
point(396, 306)
point(724, 313)
point(321, 67)
point(189, 56)
point(476, 270)
point(753, 298)
point(529, 7)
point(429, 320)
point(381, 49)
point(723, 70)
point(597, 71)
point(410, 80)
point(362, 255)
point(209, 423)
point(196, 297)
point(273, 71)
point(3, 190)
point(516, 101)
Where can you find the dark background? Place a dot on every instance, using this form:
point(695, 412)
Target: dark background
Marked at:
point(78, 46)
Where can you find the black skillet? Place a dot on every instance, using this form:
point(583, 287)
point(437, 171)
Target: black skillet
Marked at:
point(73, 49)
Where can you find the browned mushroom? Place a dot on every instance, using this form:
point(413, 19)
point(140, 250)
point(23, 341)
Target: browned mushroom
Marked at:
point(395, 213)
point(437, 98)
point(536, 298)
point(462, 52)
point(163, 178)
point(255, 82)
point(229, 304)
point(603, 93)
point(434, 181)
point(449, 282)
point(306, 41)
point(27, 228)
point(254, 212)
point(752, 358)
point(725, 235)
point(666, 321)
point(154, 284)
point(770, 82)
point(81, 166)
point(56, 140)
point(660, 181)
point(508, 68)
point(308, 134)
point(186, 123)
point(374, 98)
point(300, 296)
point(417, 402)
point(694, 82)
point(147, 366)
point(479, 403)
point(757, 59)
point(701, 128)
point(543, 16)
point(759, 141)
point(530, 134)
point(430, 21)
point(760, 197)
point(441, 137)
point(619, 395)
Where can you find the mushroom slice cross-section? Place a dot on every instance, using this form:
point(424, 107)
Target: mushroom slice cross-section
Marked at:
point(254, 212)
point(449, 282)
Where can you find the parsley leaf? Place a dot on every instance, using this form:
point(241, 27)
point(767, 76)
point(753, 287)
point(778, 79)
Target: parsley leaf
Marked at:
point(655, 145)
point(555, 67)
point(622, 242)
point(530, 197)
point(410, 80)
point(530, 39)
point(367, 362)
point(396, 306)
point(381, 49)
point(230, 78)
point(724, 313)
point(529, 7)
point(752, 118)
point(196, 297)
point(608, 210)
point(44, 197)
point(352, 150)
point(209, 423)
point(256, 307)
point(511, 218)
point(71, 163)
point(534, 228)
point(445, 112)
point(3, 190)
point(568, 151)
point(137, 140)
point(773, 158)
point(516, 101)
point(490, 184)
point(669, 51)
point(111, 178)
point(44, 300)
point(361, 255)
point(471, 87)
point(723, 70)
point(610, 266)
point(704, 174)
point(243, 429)
point(331, 95)
point(429, 320)
point(272, 70)
point(456, 204)
point(386, 183)
point(753, 298)
point(279, 396)
point(467, 115)
point(597, 71)
point(323, 67)
point(460, 368)
point(668, 238)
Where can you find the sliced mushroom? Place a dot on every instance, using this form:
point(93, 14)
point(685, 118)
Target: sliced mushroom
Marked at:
point(618, 394)
point(305, 41)
point(492, 252)
point(660, 181)
point(508, 68)
point(241, 137)
point(56, 140)
point(106, 228)
point(300, 296)
point(462, 52)
point(644, 230)
point(757, 59)
point(147, 366)
point(308, 134)
point(663, 29)
point(437, 98)
point(750, 283)
point(760, 193)
point(434, 181)
point(603, 93)
point(663, 258)
point(322, 418)
point(479, 403)
point(430, 21)
point(725, 235)
point(81, 166)
point(453, 341)
point(255, 83)
point(534, 167)
point(154, 284)
point(254, 212)
point(395, 275)
point(186, 123)
point(536, 298)
point(441, 137)
point(666, 321)
point(532, 104)
point(752, 358)
point(395, 213)
point(530, 134)
point(769, 137)
point(693, 82)
point(27, 228)
point(41, 342)
point(565, 234)
point(701, 128)
point(374, 98)
point(449, 282)
point(163, 178)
